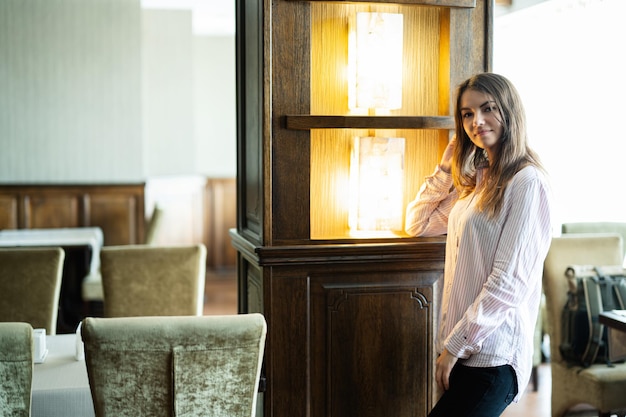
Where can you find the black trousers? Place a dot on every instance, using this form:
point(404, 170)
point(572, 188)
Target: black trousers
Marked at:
point(477, 392)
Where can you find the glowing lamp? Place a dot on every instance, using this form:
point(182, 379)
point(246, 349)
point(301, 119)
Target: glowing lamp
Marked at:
point(376, 59)
point(376, 184)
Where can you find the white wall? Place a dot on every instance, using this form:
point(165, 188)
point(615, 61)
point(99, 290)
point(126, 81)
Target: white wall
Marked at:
point(70, 91)
point(101, 91)
point(168, 83)
point(215, 105)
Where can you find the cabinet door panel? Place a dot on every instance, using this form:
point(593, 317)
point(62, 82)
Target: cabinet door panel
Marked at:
point(371, 344)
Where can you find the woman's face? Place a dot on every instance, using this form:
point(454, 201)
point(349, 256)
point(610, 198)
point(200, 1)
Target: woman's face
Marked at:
point(481, 119)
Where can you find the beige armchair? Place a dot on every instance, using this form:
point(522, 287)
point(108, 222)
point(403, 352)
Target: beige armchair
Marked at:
point(149, 280)
point(175, 366)
point(30, 286)
point(597, 227)
point(599, 385)
point(16, 369)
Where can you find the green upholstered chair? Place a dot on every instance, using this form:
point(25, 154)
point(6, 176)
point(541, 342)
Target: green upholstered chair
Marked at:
point(30, 286)
point(16, 369)
point(149, 280)
point(91, 290)
point(190, 366)
point(599, 385)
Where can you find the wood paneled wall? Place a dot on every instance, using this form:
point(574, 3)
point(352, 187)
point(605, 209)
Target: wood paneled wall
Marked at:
point(117, 209)
point(199, 214)
point(220, 216)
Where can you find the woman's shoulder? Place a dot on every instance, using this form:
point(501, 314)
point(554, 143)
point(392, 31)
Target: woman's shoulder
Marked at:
point(530, 173)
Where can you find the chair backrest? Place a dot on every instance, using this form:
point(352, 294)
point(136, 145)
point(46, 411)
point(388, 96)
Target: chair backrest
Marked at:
point(16, 369)
point(145, 280)
point(573, 249)
point(597, 227)
point(175, 366)
point(154, 226)
point(30, 286)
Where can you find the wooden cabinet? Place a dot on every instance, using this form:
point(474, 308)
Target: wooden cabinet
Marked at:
point(351, 319)
point(351, 326)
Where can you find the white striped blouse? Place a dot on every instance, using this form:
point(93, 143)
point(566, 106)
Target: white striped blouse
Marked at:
point(493, 268)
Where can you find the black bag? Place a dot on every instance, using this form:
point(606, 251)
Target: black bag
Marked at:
point(592, 289)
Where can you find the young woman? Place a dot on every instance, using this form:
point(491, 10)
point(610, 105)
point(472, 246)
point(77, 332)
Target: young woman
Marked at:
point(490, 195)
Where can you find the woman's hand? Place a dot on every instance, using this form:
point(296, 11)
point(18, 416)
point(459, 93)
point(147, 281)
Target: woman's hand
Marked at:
point(445, 363)
point(446, 159)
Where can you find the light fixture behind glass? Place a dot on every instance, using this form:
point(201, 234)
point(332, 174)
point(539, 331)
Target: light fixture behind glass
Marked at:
point(377, 163)
point(376, 61)
point(376, 184)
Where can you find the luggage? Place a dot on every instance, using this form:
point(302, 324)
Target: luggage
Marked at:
point(592, 289)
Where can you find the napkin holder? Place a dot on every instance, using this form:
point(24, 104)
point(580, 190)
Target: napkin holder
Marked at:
point(41, 351)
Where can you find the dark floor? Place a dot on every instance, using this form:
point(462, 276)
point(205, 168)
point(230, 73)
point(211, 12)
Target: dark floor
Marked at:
point(220, 293)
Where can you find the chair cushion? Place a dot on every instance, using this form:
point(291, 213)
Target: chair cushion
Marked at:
point(604, 385)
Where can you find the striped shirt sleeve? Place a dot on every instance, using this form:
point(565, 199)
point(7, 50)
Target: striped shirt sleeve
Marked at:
point(427, 215)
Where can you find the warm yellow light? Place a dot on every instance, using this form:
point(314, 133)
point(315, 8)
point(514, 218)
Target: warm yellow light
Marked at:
point(376, 184)
point(376, 59)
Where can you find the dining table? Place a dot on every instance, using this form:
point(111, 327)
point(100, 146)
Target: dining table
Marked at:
point(615, 320)
point(60, 383)
point(82, 260)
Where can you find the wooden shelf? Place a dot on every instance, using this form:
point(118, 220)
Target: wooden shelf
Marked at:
point(307, 122)
point(440, 3)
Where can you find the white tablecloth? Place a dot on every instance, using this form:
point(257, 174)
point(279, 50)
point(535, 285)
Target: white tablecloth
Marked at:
point(79, 236)
point(91, 236)
point(60, 384)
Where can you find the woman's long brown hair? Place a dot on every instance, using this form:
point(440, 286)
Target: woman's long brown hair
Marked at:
point(512, 153)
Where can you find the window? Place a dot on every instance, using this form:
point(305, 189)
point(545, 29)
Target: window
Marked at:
point(566, 59)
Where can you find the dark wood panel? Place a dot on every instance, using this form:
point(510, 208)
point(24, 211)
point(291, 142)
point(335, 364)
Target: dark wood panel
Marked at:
point(250, 118)
point(290, 157)
point(220, 216)
point(8, 211)
point(128, 210)
point(288, 344)
point(117, 209)
point(371, 334)
point(471, 43)
point(54, 209)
